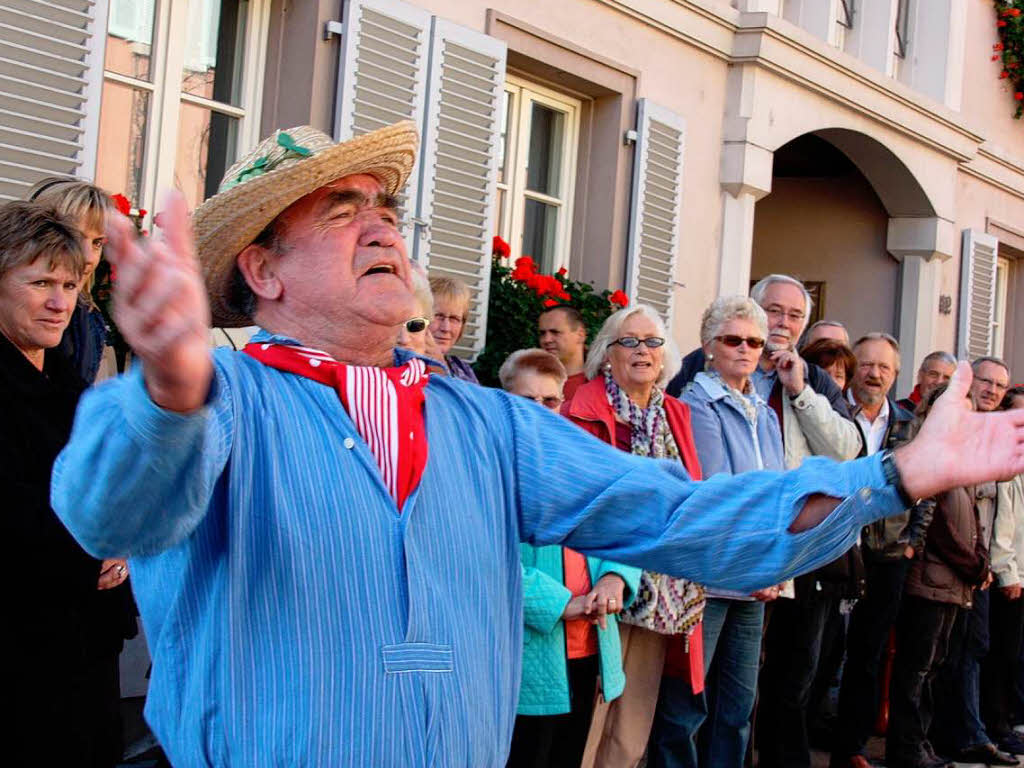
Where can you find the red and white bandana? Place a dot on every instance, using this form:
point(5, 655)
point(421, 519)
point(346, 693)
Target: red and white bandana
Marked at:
point(385, 404)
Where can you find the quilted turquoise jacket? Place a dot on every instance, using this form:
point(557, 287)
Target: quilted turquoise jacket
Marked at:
point(544, 689)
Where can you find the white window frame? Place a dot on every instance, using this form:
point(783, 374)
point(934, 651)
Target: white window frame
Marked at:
point(999, 306)
point(170, 25)
point(514, 190)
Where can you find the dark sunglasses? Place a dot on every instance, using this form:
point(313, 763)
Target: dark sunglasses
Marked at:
point(416, 324)
point(632, 342)
point(734, 341)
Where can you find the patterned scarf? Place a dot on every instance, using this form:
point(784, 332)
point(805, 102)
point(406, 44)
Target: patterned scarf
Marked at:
point(385, 405)
point(663, 604)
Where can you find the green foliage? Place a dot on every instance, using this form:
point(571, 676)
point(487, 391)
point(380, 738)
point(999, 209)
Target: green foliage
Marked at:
point(517, 298)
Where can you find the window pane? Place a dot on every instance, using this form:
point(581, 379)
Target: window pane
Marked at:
point(130, 37)
point(540, 224)
point(544, 162)
point(122, 141)
point(506, 117)
point(206, 148)
point(214, 49)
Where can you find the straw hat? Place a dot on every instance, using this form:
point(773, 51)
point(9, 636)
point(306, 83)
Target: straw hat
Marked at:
point(285, 167)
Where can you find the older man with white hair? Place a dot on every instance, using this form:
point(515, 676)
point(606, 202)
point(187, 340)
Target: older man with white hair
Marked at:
point(325, 540)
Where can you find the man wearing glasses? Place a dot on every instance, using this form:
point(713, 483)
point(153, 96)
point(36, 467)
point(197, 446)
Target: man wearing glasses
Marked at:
point(974, 735)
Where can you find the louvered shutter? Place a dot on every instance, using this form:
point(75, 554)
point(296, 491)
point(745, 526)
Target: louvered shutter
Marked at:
point(382, 77)
point(977, 293)
point(654, 217)
point(45, 90)
point(460, 166)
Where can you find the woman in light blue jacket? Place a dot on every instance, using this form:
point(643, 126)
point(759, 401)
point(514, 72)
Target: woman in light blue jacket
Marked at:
point(735, 431)
point(571, 635)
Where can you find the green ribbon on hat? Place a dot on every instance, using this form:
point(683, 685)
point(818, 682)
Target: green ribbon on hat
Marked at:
point(264, 164)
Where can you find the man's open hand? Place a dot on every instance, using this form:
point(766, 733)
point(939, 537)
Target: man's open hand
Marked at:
point(161, 308)
point(957, 446)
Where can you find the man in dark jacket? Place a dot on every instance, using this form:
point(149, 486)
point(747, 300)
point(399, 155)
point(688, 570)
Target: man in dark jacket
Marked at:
point(887, 545)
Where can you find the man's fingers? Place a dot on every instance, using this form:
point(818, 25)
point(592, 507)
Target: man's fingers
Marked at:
point(120, 239)
point(960, 384)
point(176, 229)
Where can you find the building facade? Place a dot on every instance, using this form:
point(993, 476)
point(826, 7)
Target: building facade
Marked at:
point(675, 148)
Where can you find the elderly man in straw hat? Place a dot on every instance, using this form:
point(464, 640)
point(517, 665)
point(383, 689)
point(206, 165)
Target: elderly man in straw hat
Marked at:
point(325, 538)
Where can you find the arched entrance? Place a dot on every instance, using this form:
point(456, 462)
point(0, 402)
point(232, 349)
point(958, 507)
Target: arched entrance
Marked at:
point(849, 218)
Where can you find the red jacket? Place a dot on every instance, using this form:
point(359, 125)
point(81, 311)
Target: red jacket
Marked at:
point(590, 409)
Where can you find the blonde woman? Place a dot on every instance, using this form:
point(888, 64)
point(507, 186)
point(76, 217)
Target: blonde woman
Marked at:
point(87, 206)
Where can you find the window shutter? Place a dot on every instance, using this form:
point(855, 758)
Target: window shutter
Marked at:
point(382, 75)
point(654, 218)
point(977, 294)
point(459, 165)
point(45, 93)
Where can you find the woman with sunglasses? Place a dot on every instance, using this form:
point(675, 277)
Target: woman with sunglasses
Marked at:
point(413, 334)
point(735, 431)
point(624, 403)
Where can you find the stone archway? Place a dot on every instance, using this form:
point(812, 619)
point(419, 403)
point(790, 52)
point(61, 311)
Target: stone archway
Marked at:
point(840, 207)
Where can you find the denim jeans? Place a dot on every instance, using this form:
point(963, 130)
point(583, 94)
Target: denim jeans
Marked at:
point(957, 724)
point(791, 654)
point(732, 648)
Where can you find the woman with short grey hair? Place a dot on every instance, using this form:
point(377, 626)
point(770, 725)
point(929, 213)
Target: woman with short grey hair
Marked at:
point(624, 403)
point(612, 329)
point(735, 431)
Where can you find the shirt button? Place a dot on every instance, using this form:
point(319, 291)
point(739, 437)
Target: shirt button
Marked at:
point(412, 436)
point(349, 443)
point(865, 494)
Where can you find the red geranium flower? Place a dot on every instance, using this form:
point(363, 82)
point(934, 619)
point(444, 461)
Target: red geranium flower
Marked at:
point(562, 271)
point(1000, 23)
point(142, 212)
point(525, 269)
point(1003, 75)
point(550, 303)
point(1019, 96)
point(997, 47)
point(500, 248)
point(123, 204)
point(619, 298)
point(995, 57)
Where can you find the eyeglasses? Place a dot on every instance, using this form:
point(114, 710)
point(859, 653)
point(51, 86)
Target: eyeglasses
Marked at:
point(632, 342)
point(551, 402)
point(440, 317)
point(734, 341)
point(416, 324)
point(795, 316)
point(997, 385)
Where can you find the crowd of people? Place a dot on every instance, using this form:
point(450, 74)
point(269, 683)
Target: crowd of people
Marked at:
point(345, 551)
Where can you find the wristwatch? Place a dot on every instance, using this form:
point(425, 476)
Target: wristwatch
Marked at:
point(893, 477)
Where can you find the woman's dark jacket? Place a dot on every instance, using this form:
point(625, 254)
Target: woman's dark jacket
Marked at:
point(55, 614)
point(83, 342)
point(955, 558)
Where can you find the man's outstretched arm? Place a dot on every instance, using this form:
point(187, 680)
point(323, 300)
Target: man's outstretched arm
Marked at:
point(744, 531)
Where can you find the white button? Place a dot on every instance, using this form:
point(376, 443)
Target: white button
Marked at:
point(865, 493)
point(314, 362)
point(265, 346)
point(412, 436)
point(349, 443)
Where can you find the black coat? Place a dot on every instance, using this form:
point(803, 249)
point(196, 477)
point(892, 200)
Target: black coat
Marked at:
point(55, 615)
point(818, 379)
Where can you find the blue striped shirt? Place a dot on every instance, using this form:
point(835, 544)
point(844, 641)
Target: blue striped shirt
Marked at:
point(295, 618)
